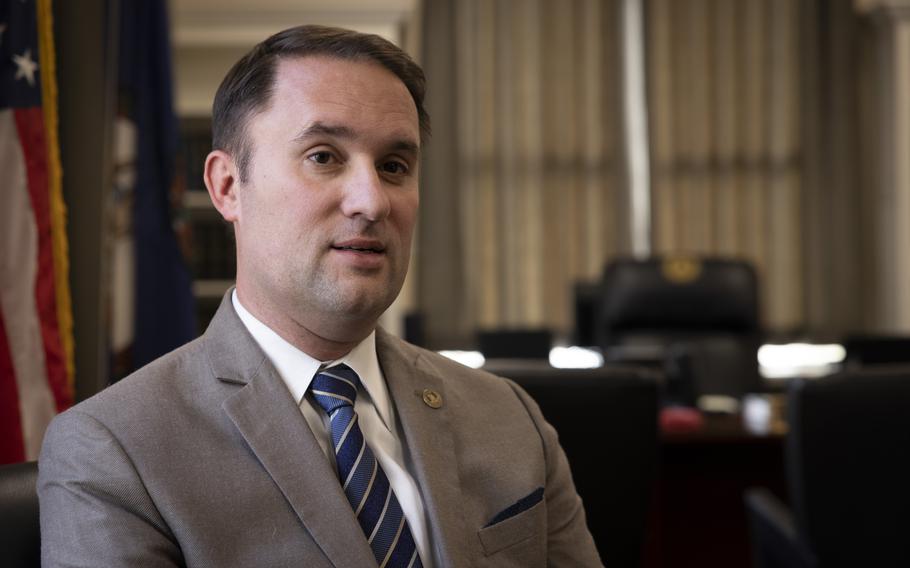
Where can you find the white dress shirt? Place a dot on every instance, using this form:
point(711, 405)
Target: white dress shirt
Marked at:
point(374, 409)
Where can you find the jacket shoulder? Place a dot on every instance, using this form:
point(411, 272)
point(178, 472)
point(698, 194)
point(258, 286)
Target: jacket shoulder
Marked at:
point(157, 383)
point(432, 361)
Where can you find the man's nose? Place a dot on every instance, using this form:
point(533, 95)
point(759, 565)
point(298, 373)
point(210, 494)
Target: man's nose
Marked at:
point(365, 195)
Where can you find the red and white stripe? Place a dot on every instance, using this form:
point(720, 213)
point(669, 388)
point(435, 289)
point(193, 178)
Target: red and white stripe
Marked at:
point(33, 376)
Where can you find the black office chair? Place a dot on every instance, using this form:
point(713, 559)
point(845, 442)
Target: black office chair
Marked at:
point(585, 300)
point(868, 350)
point(607, 423)
point(848, 470)
point(515, 343)
point(699, 316)
point(20, 533)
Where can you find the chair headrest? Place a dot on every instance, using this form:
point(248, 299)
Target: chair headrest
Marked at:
point(679, 294)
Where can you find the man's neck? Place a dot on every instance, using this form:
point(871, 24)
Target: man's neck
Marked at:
point(320, 346)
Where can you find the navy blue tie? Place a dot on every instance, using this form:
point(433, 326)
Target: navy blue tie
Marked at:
point(366, 485)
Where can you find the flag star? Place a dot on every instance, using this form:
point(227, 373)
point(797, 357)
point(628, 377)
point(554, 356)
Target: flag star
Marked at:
point(27, 66)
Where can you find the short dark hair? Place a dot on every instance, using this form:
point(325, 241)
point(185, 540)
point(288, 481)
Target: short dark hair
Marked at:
point(248, 86)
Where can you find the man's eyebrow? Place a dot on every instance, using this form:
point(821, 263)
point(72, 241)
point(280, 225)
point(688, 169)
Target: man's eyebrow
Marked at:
point(320, 129)
point(339, 131)
point(406, 146)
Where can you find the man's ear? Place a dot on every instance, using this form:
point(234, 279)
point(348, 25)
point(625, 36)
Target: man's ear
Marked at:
point(222, 180)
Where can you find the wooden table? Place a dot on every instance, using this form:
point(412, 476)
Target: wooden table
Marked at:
point(698, 518)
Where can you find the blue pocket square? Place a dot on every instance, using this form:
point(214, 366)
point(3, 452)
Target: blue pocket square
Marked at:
point(519, 506)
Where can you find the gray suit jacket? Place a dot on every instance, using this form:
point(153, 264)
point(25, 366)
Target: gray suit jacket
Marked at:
point(202, 458)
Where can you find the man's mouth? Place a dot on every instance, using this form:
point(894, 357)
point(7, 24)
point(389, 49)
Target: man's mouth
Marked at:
point(358, 249)
point(363, 247)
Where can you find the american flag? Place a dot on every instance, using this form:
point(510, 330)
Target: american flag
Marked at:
point(36, 348)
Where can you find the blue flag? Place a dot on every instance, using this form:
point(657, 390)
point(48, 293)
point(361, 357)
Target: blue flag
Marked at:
point(164, 306)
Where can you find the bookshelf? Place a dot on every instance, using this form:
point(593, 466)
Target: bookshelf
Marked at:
point(211, 248)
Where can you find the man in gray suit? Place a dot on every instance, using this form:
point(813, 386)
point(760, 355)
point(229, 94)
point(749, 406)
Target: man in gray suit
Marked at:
point(295, 432)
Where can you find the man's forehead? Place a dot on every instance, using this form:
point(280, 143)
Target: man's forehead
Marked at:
point(326, 88)
point(318, 70)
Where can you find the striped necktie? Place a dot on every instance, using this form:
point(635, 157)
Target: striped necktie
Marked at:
point(366, 485)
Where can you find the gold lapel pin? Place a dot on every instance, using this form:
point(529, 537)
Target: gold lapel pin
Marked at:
point(432, 398)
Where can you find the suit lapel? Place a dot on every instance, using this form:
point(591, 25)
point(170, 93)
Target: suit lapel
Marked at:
point(428, 435)
point(275, 430)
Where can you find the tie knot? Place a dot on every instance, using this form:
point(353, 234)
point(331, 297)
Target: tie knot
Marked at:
point(335, 387)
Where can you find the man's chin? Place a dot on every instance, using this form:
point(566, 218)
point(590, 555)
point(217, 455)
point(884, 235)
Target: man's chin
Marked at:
point(357, 306)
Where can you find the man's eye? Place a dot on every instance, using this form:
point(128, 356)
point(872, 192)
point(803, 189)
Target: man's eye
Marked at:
point(321, 158)
point(394, 167)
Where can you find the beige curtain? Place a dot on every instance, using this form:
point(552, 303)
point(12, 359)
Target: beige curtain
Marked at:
point(724, 100)
point(885, 117)
point(757, 133)
point(519, 187)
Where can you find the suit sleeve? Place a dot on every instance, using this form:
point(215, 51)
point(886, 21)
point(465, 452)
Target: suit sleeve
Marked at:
point(569, 543)
point(94, 509)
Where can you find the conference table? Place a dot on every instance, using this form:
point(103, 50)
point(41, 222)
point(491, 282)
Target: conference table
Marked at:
point(697, 516)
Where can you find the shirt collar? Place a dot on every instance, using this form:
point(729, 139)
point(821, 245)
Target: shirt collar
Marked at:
point(297, 368)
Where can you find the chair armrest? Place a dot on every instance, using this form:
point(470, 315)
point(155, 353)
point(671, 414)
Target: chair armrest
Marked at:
point(775, 542)
point(20, 540)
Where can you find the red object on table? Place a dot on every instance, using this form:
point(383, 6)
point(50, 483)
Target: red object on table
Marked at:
point(681, 419)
